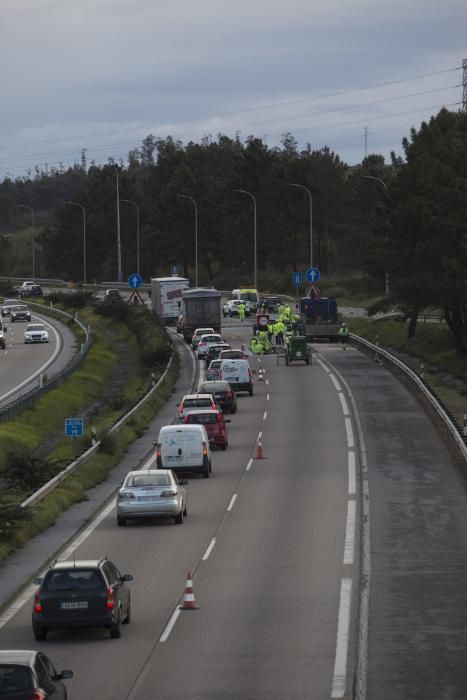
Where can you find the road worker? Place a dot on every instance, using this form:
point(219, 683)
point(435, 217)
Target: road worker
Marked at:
point(343, 335)
point(241, 311)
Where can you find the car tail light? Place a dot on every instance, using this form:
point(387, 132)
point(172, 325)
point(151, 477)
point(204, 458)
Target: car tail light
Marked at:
point(228, 394)
point(110, 599)
point(205, 449)
point(158, 450)
point(126, 495)
point(218, 418)
point(39, 694)
point(37, 603)
point(168, 494)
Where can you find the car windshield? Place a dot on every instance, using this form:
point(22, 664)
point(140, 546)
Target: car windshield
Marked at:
point(143, 480)
point(18, 309)
point(14, 678)
point(10, 302)
point(36, 327)
point(81, 579)
point(202, 418)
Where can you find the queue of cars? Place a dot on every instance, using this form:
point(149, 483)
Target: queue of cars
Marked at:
point(17, 311)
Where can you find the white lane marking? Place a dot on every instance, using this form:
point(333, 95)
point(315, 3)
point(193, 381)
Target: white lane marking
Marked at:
point(209, 549)
point(248, 466)
point(29, 592)
point(342, 641)
point(265, 415)
point(232, 501)
point(267, 382)
point(352, 473)
point(260, 436)
point(267, 397)
point(326, 369)
point(335, 382)
point(169, 626)
point(349, 431)
point(349, 545)
point(345, 408)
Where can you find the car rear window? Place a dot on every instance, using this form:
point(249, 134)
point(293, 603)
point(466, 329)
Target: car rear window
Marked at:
point(197, 403)
point(232, 355)
point(74, 579)
point(211, 339)
point(202, 418)
point(148, 480)
point(212, 387)
point(14, 678)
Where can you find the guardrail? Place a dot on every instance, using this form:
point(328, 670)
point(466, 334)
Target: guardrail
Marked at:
point(447, 417)
point(27, 399)
point(70, 468)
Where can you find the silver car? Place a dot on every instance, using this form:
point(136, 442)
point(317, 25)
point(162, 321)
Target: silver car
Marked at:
point(152, 493)
point(6, 306)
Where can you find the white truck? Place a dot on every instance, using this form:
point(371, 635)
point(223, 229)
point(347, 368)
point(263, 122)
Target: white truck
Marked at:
point(166, 297)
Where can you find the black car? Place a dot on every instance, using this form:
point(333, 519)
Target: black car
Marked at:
point(223, 394)
point(20, 313)
point(270, 303)
point(81, 594)
point(214, 352)
point(35, 291)
point(30, 675)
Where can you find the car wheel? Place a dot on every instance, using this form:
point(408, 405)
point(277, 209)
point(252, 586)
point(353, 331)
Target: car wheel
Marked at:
point(179, 518)
point(40, 633)
point(121, 522)
point(250, 391)
point(185, 510)
point(127, 619)
point(116, 628)
point(233, 409)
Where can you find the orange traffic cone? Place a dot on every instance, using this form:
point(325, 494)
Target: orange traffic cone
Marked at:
point(188, 596)
point(261, 375)
point(259, 450)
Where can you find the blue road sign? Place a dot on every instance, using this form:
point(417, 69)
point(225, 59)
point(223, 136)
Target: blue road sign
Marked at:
point(74, 427)
point(297, 279)
point(312, 275)
point(135, 281)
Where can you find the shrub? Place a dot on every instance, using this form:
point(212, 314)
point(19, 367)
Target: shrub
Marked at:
point(26, 472)
point(108, 444)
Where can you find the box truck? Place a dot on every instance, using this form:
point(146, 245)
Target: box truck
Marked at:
point(166, 297)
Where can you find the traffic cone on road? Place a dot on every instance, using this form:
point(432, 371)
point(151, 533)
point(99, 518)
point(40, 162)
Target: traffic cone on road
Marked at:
point(188, 596)
point(259, 450)
point(261, 374)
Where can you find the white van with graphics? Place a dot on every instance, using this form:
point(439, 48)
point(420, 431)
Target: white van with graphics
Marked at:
point(238, 374)
point(250, 298)
point(184, 448)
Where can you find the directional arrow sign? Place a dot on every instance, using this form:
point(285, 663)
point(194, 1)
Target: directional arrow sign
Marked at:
point(297, 279)
point(312, 275)
point(135, 281)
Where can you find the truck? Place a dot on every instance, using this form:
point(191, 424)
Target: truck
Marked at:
point(166, 295)
point(320, 318)
point(200, 307)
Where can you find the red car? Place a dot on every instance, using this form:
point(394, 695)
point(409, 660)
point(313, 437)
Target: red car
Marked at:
point(214, 422)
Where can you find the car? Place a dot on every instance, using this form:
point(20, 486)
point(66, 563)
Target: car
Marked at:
point(112, 295)
point(151, 493)
point(213, 421)
point(205, 341)
point(3, 330)
point(230, 307)
point(184, 448)
point(36, 333)
point(232, 354)
point(222, 393)
point(238, 374)
point(26, 286)
point(214, 350)
point(20, 313)
point(213, 371)
point(81, 593)
point(197, 336)
point(270, 304)
point(35, 291)
point(194, 401)
point(30, 675)
point(6, 306)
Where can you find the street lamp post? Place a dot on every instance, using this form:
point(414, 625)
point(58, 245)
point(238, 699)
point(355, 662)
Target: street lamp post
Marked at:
point(30, 209)
point(185, 196)
point(119, 240)
point(83, 210)
point(386, 276)
point(302, 187)
point(130, 201)
point(254, 235)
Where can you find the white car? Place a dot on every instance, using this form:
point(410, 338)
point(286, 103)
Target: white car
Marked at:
point(36, 333)
point(207, 340)
point(230, 307)
point(197, 336)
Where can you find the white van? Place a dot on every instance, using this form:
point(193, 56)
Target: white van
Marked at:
point(184, 448)
point(250, 297)
point(238, 374)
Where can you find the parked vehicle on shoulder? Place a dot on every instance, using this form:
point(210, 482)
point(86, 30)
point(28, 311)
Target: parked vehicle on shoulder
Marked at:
point(184, 448)
point(81, 593)
point(151, 493)
point(7, 305)
point(35, 290)
point(190, 401)
point(112, 295)
point(230, 307)
point(250, 297)
point(36, 333)
point(222, 392)
point(30, 675)
point(20, 313)
point(205, 341)
point(213, 421)
point(26, 286)
point(197, 336)
point(238, 374)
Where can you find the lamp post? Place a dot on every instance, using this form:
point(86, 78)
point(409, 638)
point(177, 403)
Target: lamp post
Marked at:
point(30, 209)
point(119, 240)
point(302, 187)
point(386, 276)
point(185, 196)
point(83, 210)
point(254, 235)
point(130, 201)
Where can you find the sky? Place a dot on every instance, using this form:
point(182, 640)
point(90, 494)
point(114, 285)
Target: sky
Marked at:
point(101, 75)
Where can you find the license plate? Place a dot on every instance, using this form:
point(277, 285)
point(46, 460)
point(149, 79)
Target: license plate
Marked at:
point(148, 498)
point(217, 396)
point(172, 458)
point(75, 605)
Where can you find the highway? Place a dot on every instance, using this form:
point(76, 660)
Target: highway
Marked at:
point(273, 545)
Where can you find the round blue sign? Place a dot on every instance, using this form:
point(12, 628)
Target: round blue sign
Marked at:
point(312, 275)
point(135, 281)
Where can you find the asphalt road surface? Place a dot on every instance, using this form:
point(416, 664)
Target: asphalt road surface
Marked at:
point(273, 545)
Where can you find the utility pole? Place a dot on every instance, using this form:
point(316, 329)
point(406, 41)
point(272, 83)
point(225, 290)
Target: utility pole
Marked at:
point(119, 240)
point(464, 85)
point(366, 141)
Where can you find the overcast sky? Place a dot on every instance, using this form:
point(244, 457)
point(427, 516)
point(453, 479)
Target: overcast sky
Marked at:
point(102, 74)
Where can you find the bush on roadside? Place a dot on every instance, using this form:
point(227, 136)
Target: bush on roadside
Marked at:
point(74, 300)
point(24, 471)
point(108, 444)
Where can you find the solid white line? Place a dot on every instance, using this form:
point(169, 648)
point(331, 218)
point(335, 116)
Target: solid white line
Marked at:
point(248, 466)
point(335, 382)
point(349, 431)
point(349, 545)
point(267, 382)
point(168, 628)
point(342, 641)
point(345, 408)
point(260, 436)
point(326, 369)
point(232, 501)
point(352, 473)
point(65, 554)
point(209, 549)
point(267, 397)
point(265, 415)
